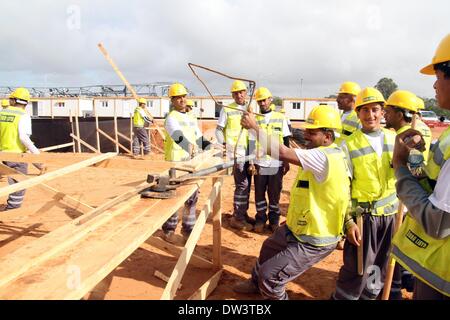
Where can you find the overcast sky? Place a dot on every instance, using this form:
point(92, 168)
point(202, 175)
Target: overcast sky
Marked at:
point(276, 43)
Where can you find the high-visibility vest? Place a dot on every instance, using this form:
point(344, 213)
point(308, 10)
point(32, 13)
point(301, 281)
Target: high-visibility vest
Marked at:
point(9, 130)
point(423, 255)
point(172, 151)
point(274, 128)
point(351, 123)
point(138, 119)
point(233, 127)
point(317, 210)
point(373, 183)
point(426, 134)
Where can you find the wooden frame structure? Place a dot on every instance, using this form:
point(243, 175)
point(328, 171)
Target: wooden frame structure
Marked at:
point(113, 231)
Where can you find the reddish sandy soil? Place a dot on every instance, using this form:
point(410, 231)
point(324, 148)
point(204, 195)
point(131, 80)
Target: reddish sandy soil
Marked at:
point(134, 279)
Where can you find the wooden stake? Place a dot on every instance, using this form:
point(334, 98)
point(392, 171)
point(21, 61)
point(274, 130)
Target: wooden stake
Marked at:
point(217, 226)
point(360, 249)
point(96, 132)
point(60, 146)
point(77, 126)
point(103, 133)
point(87, 145)
point(71, 126)
point(115, 127)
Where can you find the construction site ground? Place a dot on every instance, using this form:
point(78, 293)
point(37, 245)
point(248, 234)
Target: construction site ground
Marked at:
point(134, 278)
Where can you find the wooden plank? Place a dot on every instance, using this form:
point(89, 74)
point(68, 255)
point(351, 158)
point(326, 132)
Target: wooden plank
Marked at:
point(96, 133)
point(116, 138)
point(54, 174)
point(180, 267)
point(217, 227)
point(103, 133)
point(131, 132)
point(163, 277)
point(207, 288)
point(123, 136)
point(176, 251)
point(78, 138)
point(60, 146)
point(42, 157)
point(71, 127)
point(87, 145)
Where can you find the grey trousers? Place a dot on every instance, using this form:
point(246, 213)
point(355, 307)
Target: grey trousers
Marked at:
point(140, 135)
point(242, 181)
point(15, 199)
point(282, 259)
point(377, 236)
point(272, 184)
point(189, 217)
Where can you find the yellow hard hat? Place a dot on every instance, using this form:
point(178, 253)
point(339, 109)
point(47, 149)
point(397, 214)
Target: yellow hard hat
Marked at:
point(323, 116)
point(177, 89)
point(5, 103)
point(350, 88)
point(142, 100)
point(420, 104)
point(238, 85)
point(403, 99)
point(20, 94)
point(262, 94)
point(190, 103)
point(282, 110)
point(442, 54)
point(368, 95)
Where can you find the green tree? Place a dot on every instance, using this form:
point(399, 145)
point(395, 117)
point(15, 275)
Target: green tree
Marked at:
point(386, 86)
point(277, 101)
point(331, 96)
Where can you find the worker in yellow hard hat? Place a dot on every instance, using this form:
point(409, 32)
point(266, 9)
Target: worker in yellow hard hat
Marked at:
point(422, 243)
point(317, 207)
point(228, 131)
point(15, 132)
point(183, 138)
point(141, 119)
point(374, 199)
point(269, 171)
point(346, 100)
point(5, 103)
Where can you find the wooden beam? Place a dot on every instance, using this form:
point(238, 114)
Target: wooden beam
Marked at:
point(123, 136)
point(217, 227)
point(96, 133)
point(71, 127)
point(115, 129)
point(54, 174)
point(42, 157)
point(78, 138)
point(60, 146)
point(207, 288)
point(103, 133)
point(87, 145)
point(180, 267)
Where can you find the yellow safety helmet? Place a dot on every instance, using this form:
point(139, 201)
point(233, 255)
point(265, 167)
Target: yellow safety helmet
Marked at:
point(403, 99)
point(282, 110)
point(238, 85)
point(177, 89)
point(369, 95)
point(323, 116)
point(5, 103)
point(350, 88)
point(190, 103)
point(442, 54)
point(262, 94)
point(142, 101)
point(21, 95)
point(420, 104)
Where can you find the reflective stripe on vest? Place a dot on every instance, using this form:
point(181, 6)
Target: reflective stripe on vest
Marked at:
point(272, 129)
point(233, 127)
point(373, 177)
point(439, 152)
point(9, 130)
point(316, 210)
point(351, 123)
point(172, 151)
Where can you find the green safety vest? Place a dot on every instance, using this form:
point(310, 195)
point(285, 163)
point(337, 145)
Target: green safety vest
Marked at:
point(373, 180)
point(138, 119)
point(172, 151)
point(9, 130)
point(424, 256)
point(274, 128)
point(233, 127)
point(317, 210)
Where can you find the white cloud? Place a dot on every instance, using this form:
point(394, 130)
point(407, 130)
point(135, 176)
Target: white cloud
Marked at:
point(276, 43)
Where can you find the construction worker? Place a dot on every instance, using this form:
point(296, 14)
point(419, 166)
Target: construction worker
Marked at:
point(183, 137)
point(422, 244)
point(270, 172)
point(228, 130)
point(15, 131)
point(373, 197)
point(346, 102)
point(140, 133)
point(5, 103)
point(190, 106)
point(319, 199)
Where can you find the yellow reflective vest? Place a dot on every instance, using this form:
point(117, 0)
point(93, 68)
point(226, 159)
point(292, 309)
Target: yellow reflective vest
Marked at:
point(273, 129)
point(373, 183)
point(426, 134)
point(138, 119)
point(351, 123)
point(233, 127)
point(317, 210)
point(424, 256)
point(172, 151)
point(9, 130)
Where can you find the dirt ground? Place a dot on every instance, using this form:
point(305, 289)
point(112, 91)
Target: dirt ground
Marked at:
point(134, 279)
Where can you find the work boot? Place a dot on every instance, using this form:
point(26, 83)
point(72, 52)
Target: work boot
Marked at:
point(185, 235)
point(246, 286)
point(169, 236)
point(240, 224)
point(259, 227)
